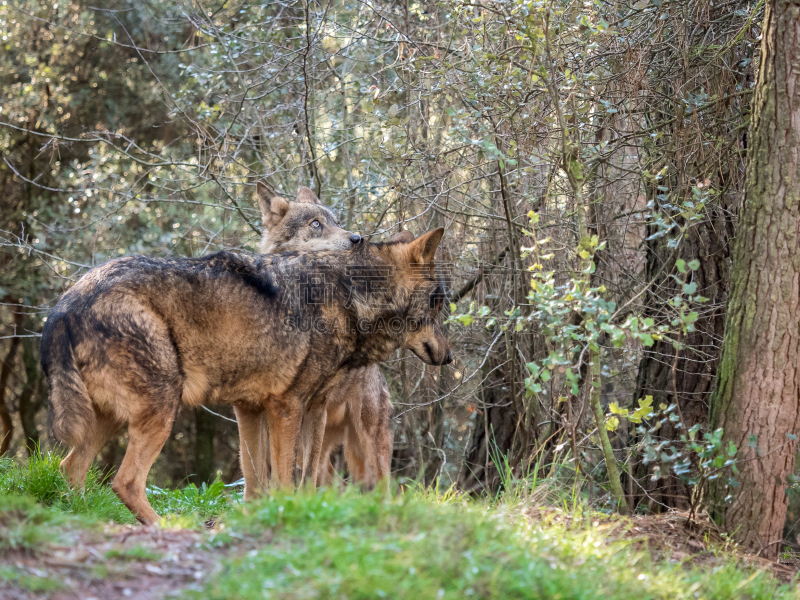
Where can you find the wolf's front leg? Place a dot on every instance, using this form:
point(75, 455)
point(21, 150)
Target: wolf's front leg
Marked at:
point(285, 418)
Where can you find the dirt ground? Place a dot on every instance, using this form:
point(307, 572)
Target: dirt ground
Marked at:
point(120, 562)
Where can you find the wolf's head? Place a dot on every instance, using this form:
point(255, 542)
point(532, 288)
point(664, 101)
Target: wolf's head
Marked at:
point(415, 279)
point(300, 225)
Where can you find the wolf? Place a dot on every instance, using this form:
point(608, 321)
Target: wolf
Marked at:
point(358, 410)
point(137, 337)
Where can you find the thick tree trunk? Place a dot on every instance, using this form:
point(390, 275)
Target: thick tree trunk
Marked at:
point(691, 383)
point(697, 361)
point(757, 401)
point(205, 428)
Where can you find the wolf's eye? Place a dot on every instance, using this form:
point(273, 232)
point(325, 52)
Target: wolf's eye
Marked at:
point(316, 224)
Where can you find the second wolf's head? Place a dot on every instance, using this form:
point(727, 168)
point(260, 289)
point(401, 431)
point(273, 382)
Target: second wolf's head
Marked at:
point(414, 275)
point(302, 225)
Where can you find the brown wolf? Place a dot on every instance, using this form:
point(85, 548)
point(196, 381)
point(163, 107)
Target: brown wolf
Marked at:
point(359, 409)
point(138, 336)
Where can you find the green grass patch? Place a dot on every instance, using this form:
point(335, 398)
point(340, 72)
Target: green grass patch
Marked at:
point(27, 525)
point(354, 546)
point(26, 581)
point(135, 553)
point(41, 478)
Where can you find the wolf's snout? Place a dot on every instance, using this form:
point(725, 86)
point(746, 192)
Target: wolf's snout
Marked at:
point(448, 359)
point(355, 238)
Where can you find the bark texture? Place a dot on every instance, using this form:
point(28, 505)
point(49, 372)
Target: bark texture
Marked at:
point(6, 368)
point(758, 388)
point(493, 435)
point(32, 398)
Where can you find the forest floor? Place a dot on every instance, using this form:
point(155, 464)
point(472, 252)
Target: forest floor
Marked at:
point(332, 544)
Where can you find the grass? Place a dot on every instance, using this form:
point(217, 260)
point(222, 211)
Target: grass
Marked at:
point(333, 545)
point(40, 478)
point(135, 553)
point(26, 581)
point(419, 544)
point(27, 525)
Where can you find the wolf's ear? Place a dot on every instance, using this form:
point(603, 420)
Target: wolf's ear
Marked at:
point(405, 237)
point(423, 249)
point(273, 208)
point(306, 196)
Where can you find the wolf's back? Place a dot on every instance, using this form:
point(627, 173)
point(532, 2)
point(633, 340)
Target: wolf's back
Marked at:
point(71, 410)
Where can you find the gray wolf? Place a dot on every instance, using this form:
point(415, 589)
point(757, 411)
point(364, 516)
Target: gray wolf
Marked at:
point(137, 337)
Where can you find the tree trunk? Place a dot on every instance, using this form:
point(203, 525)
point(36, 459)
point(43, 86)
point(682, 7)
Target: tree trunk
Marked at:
point(493, 434)
point(757, 402)
point(30, 400)
point(693, 382)
point(5, 374)
point(205, 428)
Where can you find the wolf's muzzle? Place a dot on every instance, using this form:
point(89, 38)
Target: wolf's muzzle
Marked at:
point(356, 239)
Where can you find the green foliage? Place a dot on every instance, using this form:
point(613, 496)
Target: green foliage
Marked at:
point(644, 411)
point(204, 502)
point(698, 457)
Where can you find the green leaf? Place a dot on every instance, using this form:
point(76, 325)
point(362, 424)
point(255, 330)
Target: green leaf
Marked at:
point(694, 264)
point(681, 265)
point(689, 288)
point(614, 408)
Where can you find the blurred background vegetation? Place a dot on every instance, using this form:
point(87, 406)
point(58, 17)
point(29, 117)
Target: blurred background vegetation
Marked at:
point(585, 158)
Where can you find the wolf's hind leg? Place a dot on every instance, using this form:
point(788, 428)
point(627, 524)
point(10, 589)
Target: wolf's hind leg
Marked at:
point(314, 429)
point(77, 462)
point(356, 453)
point(254, 449)
point(146, 437)
point(333, 437)
point(382, 455)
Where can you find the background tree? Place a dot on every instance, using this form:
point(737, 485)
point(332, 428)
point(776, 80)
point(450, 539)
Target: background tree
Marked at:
point(757, 403)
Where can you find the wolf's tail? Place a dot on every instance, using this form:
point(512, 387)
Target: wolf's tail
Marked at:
point(71, 407)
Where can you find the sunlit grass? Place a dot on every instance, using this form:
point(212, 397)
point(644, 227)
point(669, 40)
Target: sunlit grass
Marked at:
point(333, 545)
